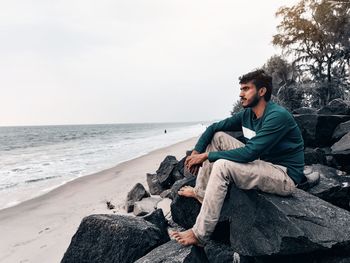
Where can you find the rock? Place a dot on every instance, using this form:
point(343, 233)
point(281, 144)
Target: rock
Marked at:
point(164, 172)
point(272, 225)
point(157, 218)
point(178, 171)
point(317, 130)
point(341, 130)
point(336, 107)
point(341, 152)
point(190, 180)
point(112, 238)
point(136, 194)
point(164, 205)
point(305, 110)
point(262, 224)
point(146, 205)
point(316, 155)
point(184, 210)
point(170, 252)
point(334, 186)
point(153, 184)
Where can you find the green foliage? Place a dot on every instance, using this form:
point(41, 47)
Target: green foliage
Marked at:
point(316, 33)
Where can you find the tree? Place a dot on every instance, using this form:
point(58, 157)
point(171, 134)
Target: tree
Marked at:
point(316, 34)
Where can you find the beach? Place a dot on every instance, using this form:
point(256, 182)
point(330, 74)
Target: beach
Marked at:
point(40, 229)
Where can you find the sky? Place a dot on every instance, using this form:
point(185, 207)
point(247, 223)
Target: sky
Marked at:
point(130, 61)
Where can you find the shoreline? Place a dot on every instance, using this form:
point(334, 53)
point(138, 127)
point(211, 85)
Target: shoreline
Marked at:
point(42, 227)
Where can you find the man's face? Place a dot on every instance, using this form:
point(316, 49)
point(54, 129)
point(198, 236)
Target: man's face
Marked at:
point(249, 95)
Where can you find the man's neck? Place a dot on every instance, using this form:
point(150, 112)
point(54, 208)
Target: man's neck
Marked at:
point(259, 108)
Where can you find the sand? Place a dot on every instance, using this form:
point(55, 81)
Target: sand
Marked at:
point(40, 230)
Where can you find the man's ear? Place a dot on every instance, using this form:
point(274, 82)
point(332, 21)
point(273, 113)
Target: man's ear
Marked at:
point(262, 91)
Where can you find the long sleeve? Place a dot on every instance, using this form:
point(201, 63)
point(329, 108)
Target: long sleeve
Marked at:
point(233, 123)
point(274, 127)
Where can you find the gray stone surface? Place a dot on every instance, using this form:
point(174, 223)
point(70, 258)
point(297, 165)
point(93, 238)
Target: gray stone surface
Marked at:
point(341, 130)
point(146, 206)
point(170, 252)
point(153, 184)
point(164, 172)
point(136, 194)
point(334, 186)
point(113, 238)
point(336, 106)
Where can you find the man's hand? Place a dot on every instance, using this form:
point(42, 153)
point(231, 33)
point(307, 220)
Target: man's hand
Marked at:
point(194, 161)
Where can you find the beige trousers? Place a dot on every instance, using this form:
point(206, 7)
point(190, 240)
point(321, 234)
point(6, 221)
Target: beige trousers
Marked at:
point(214, 178)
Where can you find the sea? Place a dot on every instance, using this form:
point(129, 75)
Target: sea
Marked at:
point(37, 159)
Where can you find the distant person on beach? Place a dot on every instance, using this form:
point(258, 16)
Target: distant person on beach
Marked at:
point(164, 131)
point(271, 160)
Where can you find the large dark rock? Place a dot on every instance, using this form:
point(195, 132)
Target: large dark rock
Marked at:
point(334, 186)
point(170, 252)
point(341, 152)
point(178, 172)
point(136, 194)
point(154, 185)
point(336, 107)
point(265, 224)
point(184, 210)
point(317, 130)
point(113, 238)
point(341, 130)
point(157, 218)
point(164, 172)
point(314, 155)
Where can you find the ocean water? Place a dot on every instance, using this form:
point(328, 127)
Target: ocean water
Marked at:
point(37, 159)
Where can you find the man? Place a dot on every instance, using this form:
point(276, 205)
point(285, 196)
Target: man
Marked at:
point(272, 160)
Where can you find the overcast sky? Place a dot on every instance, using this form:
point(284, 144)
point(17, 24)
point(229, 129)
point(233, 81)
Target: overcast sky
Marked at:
point(110, 61)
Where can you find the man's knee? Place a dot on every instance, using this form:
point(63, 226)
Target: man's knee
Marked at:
point(221, 169)
point(219, 135)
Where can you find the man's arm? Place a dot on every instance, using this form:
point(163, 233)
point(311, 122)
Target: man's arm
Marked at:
point(274, 128)
point(233, 123)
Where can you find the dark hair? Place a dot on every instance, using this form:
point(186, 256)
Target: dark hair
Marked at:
point(260, 79)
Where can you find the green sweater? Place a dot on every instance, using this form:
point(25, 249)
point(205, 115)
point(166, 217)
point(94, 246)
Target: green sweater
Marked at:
point(275, 138)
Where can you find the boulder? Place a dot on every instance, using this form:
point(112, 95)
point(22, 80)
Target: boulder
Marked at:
point(170, 252)
point(164, 172)
point(314, 155)
point(178, 171)
point(166, 193)
point(136, 194)
point(336, 107)
point(154, 186)
point(157, 218)
point(305, 110)
point(341, 130)
point(272, 225)
point(262, 224)
point(341, 152)
point(317, 130)
point(146, 206)
point(190, 180)
point(334, 186)
point(113, 238)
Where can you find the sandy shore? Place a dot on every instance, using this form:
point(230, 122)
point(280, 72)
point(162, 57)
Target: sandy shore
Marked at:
point(40, 230)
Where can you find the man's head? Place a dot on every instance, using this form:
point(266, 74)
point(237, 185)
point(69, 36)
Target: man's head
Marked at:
point(255, 85)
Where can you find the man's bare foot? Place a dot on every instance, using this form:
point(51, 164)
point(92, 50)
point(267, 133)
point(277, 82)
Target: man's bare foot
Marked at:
point(185, 238)
point(188, 191)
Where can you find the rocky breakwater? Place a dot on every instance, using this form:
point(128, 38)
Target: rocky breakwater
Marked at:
point(312, 225)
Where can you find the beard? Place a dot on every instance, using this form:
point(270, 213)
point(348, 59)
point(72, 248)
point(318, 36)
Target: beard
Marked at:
point(255, 102)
